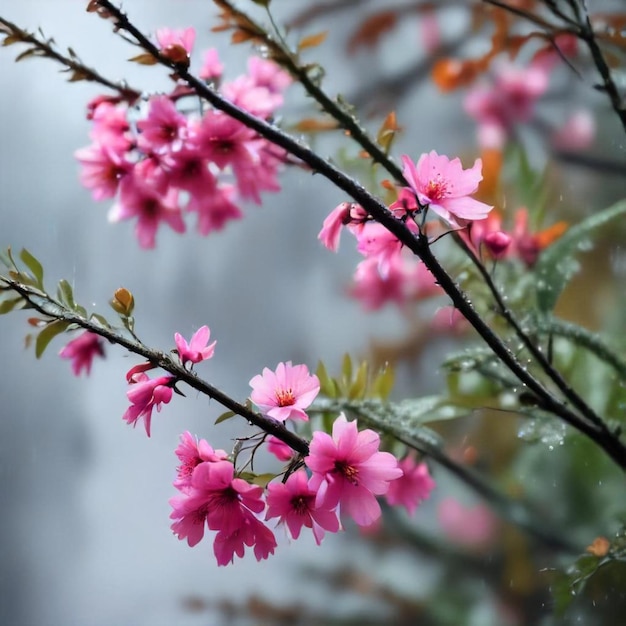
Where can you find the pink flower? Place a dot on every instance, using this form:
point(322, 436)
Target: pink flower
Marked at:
point(164, 128)
point(497, 242)
point(348, 470)
point(252, 532)
point(191, 452)
point(102, 170)
point(448, 320)
point(331, 229)
point(576, 133)
point(412, 487)
point(168, 38)
point(279, 449)
point(82, 351)
point(146, 394)
point(197, 349)
point(508, 101)
point(294, 503)
point(404, 280)
point(137, 199)
point(217, 500)
point(446, 187)
point(211, 68)
point(215, 209)
point(468, 526)
point(111, 127)
point(285, 393)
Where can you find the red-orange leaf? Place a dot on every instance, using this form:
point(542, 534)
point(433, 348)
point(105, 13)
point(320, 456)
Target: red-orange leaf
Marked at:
point(144, 59)
point(312, 41)
point(315, 125)
point(371, 30)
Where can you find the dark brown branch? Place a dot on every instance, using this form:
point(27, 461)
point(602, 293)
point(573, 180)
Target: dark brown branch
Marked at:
point(72, 64)
point(49, 307)
point(418, 244)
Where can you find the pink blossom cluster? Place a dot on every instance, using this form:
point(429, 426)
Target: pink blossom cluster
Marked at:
point(519, 242)
point(148, 393)
point(508, 99)
point(343, 475)
point(389, 273)
point(160, 162)
point(82, 351)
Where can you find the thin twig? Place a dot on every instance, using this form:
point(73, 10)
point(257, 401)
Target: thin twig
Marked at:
point(418, 244)
point(52, 308)
point(80, 70)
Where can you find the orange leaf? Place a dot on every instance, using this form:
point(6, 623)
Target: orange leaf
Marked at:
point(312, 41)
point(371, 30)
point(548, 236)
point(388, 131)
point(599, 547)
point(313, 125)
point(450, 74)
point(492, 166)
point(144, 59)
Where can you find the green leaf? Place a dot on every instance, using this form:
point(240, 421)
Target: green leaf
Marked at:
point(49, 332)
point(557, 264)
point(33, 265)
point(383, 384)
point(65, 294)
point(328, 387)
point(6, 259)
point(225, 416)
point(417, 411)
point(100, 319)
point(359, 385)
point(9, 305)
point(346, 368)
point(261, 479)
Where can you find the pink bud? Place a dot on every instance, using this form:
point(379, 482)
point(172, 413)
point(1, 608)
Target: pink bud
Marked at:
point(497, 243)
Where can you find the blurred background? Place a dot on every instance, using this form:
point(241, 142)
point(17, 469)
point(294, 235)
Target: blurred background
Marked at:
point(85, 529)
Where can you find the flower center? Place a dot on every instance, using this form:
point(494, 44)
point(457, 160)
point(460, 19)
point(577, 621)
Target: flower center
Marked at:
point(300, 505)
point(349, 472)
point(437, 188)
point(285, 397)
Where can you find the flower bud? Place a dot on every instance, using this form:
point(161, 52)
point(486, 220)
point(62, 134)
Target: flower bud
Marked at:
point(123, 302)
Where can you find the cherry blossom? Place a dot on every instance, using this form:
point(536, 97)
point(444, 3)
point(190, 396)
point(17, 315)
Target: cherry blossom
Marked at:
point(164, 128)
point(349, 471)
point(279, 449)
point(217, 500)
point(446, 187)
point(191, 452)
point(412, 487)
point(197, 350)
point(145, 394)
point(294, 503)
point(137, 199)
point(82, 351)
point(286, 392)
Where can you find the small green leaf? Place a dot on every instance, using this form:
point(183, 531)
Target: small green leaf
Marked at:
point(225, 416)
point(262, 480)
point(100, 319)
point(359, 385)
point(346, 373)
point(6, 259)
point(9, 305)
point(33, 265)
point(65, 294)
point(328, 387)
point(383, 384)
point(49, 332)
point(557, 264)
